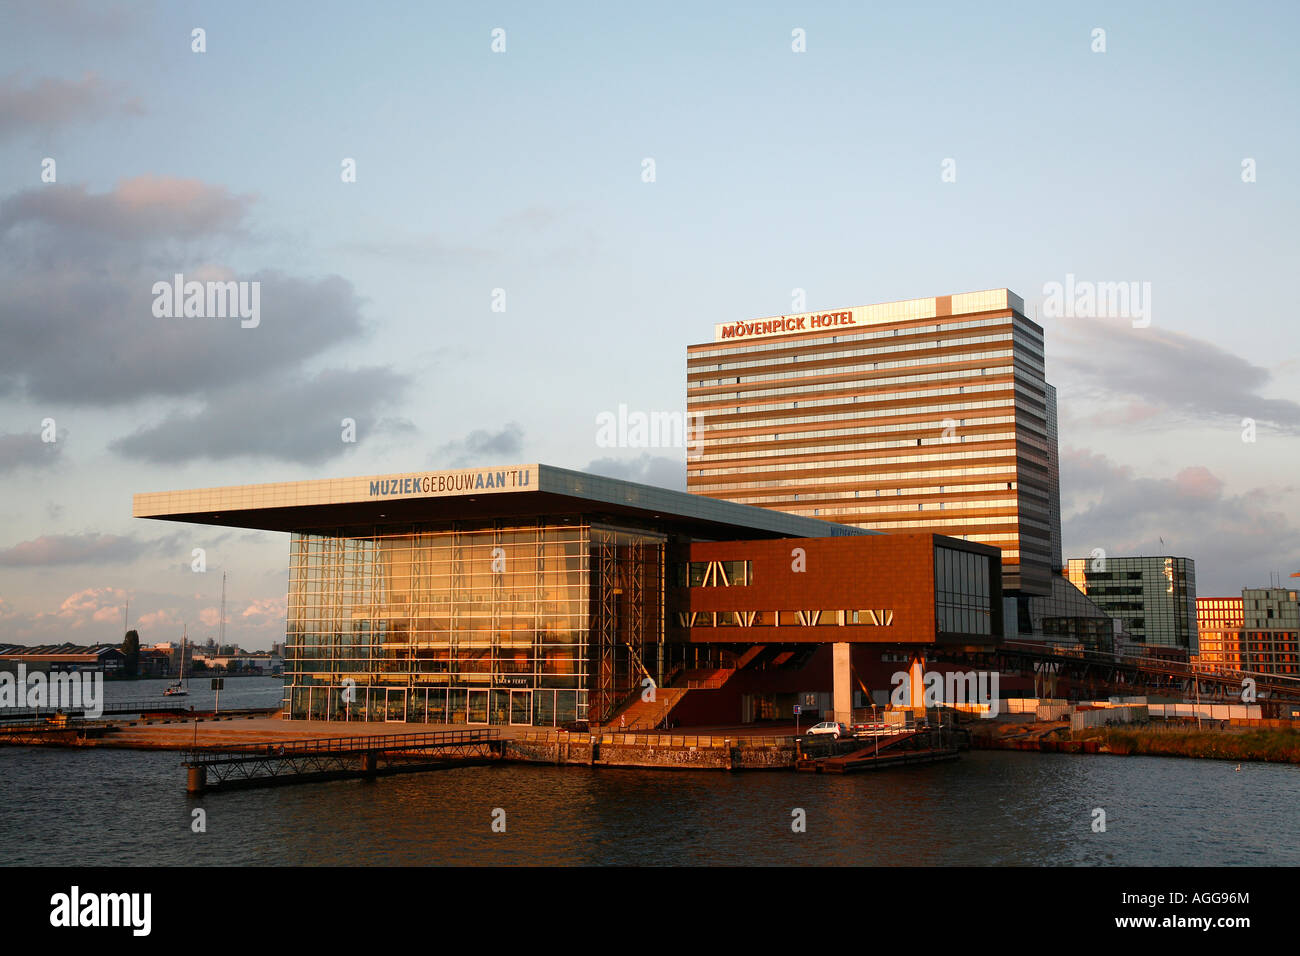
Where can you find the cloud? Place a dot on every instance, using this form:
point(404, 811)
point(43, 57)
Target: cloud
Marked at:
point(87, 616)
point(75, 18)
point(87, 548)
point(19, 450)
point(1235, 539)
point(296, 421)
point(79, 270)
point(535, 218)
point(657, 470)
point(481, 447)
point(420, 250)
point(144, 207)
point(51, 102)
point(87, 606)
point(263, 612)
point(1163, 371)
point(86, 338)
point(95, 614)
point(163, 619)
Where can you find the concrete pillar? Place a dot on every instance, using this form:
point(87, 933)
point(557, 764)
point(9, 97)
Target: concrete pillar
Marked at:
point(196, 780)
point(841, 684)
point(916, 682)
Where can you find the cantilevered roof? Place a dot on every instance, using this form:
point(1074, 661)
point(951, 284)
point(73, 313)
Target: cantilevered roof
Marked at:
point(510, 491)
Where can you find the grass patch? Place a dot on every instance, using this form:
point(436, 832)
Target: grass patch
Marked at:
point(1274, 746)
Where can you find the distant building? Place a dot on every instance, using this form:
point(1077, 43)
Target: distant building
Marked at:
point(154, 662)
point(1220, 627)
point(253, 663)
point(1258, 632)
point(1154, 598)
point(1270, 609)
point(107, 658)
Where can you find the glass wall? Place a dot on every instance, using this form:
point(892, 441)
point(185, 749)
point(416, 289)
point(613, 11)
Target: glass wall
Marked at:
point(1153, 597)
point(961, 592)
point(444, 625)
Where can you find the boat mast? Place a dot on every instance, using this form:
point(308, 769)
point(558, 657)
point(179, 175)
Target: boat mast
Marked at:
point(221, 632)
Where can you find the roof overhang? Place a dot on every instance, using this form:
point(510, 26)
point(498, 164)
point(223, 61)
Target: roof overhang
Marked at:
point(523, 492)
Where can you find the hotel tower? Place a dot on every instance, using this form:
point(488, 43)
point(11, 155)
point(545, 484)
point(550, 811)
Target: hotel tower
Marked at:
point(927, 415)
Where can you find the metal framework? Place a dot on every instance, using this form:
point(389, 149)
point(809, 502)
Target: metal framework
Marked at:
point(605, 554)
point(1107, 671)
point(627, 573)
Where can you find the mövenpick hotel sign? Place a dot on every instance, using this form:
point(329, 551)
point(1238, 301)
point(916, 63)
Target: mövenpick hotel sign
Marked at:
point(785, 325)
point(905, 310)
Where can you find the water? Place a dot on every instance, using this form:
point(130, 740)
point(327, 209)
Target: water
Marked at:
point(239, 692)
point(112, 807)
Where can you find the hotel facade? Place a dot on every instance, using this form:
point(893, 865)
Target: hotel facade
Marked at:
point(923, 416)
point(540, 596)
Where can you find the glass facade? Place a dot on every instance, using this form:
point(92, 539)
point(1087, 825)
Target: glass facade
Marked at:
point(961, 592)
point(1154, 598)
point(1066, 616)
point(521, 624)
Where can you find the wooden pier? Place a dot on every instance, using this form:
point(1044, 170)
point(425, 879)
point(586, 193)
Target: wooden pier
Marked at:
point(336, 758)
point(879, 753)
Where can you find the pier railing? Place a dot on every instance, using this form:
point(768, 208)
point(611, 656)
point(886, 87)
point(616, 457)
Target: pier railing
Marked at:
point(158, 705)
point(658, 739)
point(334, 758)
point(342, 745)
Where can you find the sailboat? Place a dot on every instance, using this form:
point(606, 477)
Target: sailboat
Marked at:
point(179, 687)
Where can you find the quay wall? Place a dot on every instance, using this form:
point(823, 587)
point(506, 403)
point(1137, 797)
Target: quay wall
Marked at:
point(664, 751)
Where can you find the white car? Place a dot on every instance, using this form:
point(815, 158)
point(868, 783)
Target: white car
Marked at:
point(831, 727)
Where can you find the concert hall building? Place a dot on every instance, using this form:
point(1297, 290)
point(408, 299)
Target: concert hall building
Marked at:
point(541, 596)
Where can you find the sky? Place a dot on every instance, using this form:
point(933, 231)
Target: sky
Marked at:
point(534, 234)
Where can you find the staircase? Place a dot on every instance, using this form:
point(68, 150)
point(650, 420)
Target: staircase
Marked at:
point(637, 714)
